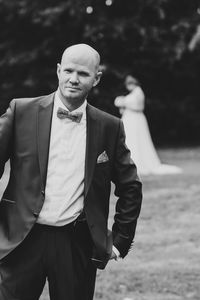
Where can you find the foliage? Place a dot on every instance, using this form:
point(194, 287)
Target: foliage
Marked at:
point(155, 40)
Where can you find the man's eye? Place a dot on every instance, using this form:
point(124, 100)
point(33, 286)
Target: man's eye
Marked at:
point(68, 71)
point(83, 74)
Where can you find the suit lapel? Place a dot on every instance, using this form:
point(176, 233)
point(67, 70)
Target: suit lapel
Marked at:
point(93, 128)
point(45, 111)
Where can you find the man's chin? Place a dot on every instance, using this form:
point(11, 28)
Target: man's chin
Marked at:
point(72, 94)
point(74, 97)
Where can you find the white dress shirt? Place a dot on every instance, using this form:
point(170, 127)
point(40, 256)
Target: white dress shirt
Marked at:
point(64, 194)
point(66, 166)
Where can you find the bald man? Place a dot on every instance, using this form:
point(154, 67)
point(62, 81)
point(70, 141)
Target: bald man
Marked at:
point(64, 153)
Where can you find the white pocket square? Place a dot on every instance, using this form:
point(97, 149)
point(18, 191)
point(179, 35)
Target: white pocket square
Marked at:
point(103, 157)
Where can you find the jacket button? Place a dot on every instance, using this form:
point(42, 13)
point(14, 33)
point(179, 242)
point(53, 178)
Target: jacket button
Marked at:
point(43, 193)
point(36, 214)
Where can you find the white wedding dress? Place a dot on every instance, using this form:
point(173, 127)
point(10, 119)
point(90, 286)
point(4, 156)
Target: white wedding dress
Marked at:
point(138, 138)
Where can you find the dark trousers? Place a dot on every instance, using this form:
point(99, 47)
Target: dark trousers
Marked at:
point(60, 254)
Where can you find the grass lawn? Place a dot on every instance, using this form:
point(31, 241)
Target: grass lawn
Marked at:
point(165, 261)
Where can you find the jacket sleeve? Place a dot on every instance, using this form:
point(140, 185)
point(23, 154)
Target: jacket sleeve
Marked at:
point(128, 189)
point(6, 135)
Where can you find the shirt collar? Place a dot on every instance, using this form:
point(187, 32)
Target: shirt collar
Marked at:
point(58, 103)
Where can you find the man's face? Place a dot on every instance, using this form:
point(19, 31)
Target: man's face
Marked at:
point(77, 74)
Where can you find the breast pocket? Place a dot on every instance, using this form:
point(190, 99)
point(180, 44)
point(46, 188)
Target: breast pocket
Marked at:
point(102, 172)
point(102, 165)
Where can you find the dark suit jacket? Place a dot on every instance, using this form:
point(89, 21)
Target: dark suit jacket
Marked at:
point(24, 138)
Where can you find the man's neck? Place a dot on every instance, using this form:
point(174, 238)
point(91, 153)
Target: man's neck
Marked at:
point(70, 104)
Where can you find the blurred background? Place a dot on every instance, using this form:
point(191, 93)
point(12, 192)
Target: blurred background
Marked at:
point(157, 41)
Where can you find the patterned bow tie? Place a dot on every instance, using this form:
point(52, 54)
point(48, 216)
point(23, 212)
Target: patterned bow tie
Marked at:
point(74, 116)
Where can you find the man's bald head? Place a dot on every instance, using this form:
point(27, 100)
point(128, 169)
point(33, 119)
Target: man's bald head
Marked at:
point(78, 73)
point(83, 53)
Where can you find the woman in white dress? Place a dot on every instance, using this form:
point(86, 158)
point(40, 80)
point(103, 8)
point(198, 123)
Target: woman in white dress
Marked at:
point(138, 138)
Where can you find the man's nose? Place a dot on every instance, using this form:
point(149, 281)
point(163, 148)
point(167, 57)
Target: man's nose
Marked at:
point(74, 78)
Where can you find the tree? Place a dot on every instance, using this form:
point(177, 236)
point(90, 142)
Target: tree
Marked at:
point(155, 40)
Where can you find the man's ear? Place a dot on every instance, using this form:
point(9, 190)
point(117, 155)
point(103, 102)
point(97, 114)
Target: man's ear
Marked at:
point(58, 70)
point(97, 78)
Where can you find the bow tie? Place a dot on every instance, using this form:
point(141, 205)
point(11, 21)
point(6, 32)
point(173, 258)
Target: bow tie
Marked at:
point(74, 116)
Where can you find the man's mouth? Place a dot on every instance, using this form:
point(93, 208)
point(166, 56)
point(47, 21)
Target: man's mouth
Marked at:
point(71, 88)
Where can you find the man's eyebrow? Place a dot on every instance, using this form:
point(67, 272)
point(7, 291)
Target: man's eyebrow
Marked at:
point(79, 71)
point(67, 68)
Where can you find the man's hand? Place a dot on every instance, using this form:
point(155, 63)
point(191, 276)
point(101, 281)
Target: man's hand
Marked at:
point(113, 255)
